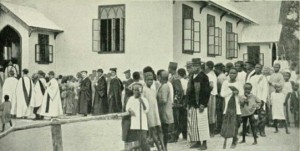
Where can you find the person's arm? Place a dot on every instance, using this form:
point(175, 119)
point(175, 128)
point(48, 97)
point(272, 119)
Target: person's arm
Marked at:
point(145, 104)
point(225, 90)
point(164, 94)
point(197, 90)
point(128, 108)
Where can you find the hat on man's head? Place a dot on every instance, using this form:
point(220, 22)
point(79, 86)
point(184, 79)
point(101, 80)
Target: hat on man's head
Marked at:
point(113, 69)
point(189, 64)
point(127, 71)
point(173, 65)
point(51, 73)
point(100, 70)
point(40, 72)
point(219, 65)
point(250, 62)
point(196, 61)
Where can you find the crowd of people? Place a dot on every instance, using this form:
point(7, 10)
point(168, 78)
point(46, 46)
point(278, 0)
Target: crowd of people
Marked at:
point(198, 101)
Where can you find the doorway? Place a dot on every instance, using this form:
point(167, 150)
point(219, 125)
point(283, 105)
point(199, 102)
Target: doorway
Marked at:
point(253, 54)
point(10, 48)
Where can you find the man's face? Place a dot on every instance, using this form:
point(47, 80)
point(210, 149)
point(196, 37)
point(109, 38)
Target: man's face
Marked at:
point(238, 67)
point(247, 89)
point(137, 90)
point(196, 68)
point(189, 69)
point(51, 76)
point(149, 80)
point(258, 68)
point(232, 74)
point(296, 87)
point(276, 68)
point(94, 73)
point(127, 75)
point(171, 71)
point(99, 74)
point(83, 74)
point(113, 73)
point(286, 76)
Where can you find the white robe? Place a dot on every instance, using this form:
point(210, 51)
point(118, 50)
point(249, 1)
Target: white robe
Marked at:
point(260, 87)
point(24, 110)
point(38, 97)
point(55, 106)
point(14, 68)
point(9, 88)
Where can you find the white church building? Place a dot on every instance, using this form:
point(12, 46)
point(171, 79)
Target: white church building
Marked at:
point(72, 35)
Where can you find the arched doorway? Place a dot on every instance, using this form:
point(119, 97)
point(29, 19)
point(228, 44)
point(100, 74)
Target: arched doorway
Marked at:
point(10, 47)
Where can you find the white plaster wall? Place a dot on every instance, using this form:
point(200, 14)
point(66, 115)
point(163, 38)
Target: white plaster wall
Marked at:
point(182, 58)
point(5, 20)
point(148, 34)
point(33, 40)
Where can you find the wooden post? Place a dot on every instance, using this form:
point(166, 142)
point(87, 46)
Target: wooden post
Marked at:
point(56, 136)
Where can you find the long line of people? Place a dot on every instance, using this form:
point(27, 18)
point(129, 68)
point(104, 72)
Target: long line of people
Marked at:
point(198, 101)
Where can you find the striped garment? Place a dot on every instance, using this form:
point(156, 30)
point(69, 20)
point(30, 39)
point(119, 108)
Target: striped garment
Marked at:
point(198, 129)
point(211, 108)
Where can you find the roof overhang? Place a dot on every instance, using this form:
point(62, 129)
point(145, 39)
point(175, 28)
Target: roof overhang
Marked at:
point(261, 34)
point(229, 9)
point(30, 18)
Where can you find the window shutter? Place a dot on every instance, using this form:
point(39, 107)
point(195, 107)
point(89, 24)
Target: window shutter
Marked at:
point(235, 45)
point(211, 41)
point(50, 49)
point(96, 35)
point(261, 58)
point(245, 57)
point(37, 53)
point(197, 27)
point(220, 42)
point(122, 34)
point(188, 35)
point(216, 41)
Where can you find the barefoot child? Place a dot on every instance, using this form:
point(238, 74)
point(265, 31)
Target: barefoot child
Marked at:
point(5, 108)
point(277, 103)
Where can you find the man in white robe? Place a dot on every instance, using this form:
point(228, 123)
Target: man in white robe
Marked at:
point(51, 105)
point(241, 73)
point(9, 88)
point(11, 67)
point(39, 89)
point(25, 95)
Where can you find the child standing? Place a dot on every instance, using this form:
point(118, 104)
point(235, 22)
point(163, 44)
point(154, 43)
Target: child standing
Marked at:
point(295, 96)
point(277, 103)
point(138, 107)
point(5, 108)
point(287, 90)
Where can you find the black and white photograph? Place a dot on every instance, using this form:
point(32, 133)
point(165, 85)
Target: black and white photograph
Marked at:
point(149, 75)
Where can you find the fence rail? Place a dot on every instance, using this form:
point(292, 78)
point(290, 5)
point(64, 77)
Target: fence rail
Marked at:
point(56, 126)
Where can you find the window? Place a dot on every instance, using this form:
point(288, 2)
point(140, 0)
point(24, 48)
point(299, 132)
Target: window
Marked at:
point(190, 31)
point(109, 30)
point(231, 42)
point(43, 51)
point(214, 37)
point(261, 58)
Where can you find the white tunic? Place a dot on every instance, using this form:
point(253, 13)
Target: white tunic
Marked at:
point(135, 105)
point(54, 103)
point(277, 101)
point(213, 79)
point(227, 93)
point(260, 87)
point(24, 110)
point(241, 77)
point(38, 99)
point(9, 88)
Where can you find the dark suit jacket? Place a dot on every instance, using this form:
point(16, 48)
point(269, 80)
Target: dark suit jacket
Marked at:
point(198, 91)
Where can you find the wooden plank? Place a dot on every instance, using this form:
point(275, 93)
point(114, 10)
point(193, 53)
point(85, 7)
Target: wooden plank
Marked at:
point(64, 121)
point(56, 136)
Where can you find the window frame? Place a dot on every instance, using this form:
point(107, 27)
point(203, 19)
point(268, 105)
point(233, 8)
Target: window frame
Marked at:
point(122, 29)
point(183, 28)
point(38, 51)
point(219, 36)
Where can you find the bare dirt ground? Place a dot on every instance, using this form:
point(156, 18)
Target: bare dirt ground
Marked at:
point(105, 135)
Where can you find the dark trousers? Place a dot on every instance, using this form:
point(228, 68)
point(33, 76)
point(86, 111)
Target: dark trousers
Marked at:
point(37, 116)
point(219, 112)
point(166, 132)
point(296, 118)
point(180, 122)
point(251, 120)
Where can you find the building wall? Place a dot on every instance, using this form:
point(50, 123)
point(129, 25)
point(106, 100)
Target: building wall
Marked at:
point(6, 20)
point(148, 35)
point(182, 58)
point(33, 40)
point(265, 48)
